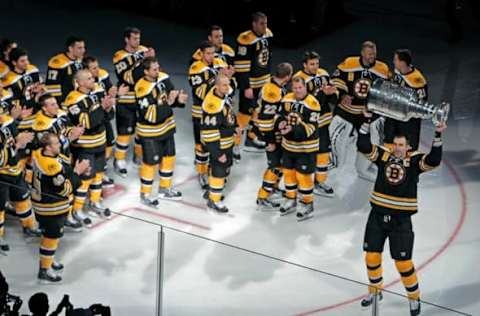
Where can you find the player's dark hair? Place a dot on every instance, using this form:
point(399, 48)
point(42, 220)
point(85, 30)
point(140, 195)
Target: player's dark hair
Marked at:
point(71, 40)
point(309, 55)
point(206, 44)
point(4, 45)
point(46, 139)
point(298, 79)
point(214, 28)
point(404, 55)
point(129, 30)
point(258, 16)
point(148, 62)
point(402, 135)
point(283, 70)
point(88, 60)
point(368, 44)
point(43, 98)
point(16, 53)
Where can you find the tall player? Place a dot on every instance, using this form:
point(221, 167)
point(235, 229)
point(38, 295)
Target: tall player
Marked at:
point(253, 60)
point(128, 68)
point(353, 78)
point(394, 201)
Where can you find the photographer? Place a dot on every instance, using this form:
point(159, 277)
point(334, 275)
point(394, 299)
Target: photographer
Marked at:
point(38, 305)
point(7, 299)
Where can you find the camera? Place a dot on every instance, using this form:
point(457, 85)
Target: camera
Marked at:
point(95, 309)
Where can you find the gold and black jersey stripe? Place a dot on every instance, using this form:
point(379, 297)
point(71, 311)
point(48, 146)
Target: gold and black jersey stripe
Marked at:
point(53, 184)
point(6, 98)
point(354, 78)
point(57, 124)
point(155, 116)
point(9, 158)
point(4, 69)
point(104, 80)
point(218, 123)
point(395, 190)
point(202, 78)
point(315, 83)
point(60, 75)
point(253, 59)
point(413, 79)
point(21, 84)
point(128, 68)
point(304, 137)
point(85, 109)
point(268, 107)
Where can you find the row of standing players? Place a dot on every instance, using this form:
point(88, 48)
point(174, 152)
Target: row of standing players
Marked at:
point(301, 138)
point(295, 128)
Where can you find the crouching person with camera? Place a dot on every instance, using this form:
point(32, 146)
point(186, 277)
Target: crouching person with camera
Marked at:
point(54, 182)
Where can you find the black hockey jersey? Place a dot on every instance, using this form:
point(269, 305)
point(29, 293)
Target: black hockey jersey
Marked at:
point(395, 190)
point(253, 59)
point(353, 78)
point(61, 75)
point(413, 79)
point(128, 68)
point(304, 136)
point(202, 78)
point(58, 125)
point(85, 109)
point(53, 184)
point(268, 108)
point(9, 157)
point(218, 123)
point(155, 116)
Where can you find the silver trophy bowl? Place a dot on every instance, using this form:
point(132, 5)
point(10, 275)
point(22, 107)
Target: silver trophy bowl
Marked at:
point(389, 99)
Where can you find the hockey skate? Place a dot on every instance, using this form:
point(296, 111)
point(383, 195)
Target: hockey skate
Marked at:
point(81, 217)
point(98, 209)
point(120, 168)
point(48, 276)
point(289, 206)
point(368, 300)
point(169, 194)
point(218, 207)
point(149, 200)
point(267, 205)
point(323, 189)
point(305, 211)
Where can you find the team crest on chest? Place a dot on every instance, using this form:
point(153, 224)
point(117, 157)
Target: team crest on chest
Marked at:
point(395, 172)
point(361, 87)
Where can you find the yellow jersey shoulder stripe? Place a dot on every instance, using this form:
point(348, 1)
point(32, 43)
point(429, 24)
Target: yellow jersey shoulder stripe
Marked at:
point(212, 104)
point(49, 166)
point(59, 61)
point(143, 88)
point(197, 67)
point(227, 50)
point(249, 37)
point(415, 79)
point(350, 64)
point(271, 93)
point(103, 74)
point(74, 97)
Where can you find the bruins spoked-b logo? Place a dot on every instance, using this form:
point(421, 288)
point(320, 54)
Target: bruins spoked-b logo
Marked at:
point(361, 86)
point(395, 173)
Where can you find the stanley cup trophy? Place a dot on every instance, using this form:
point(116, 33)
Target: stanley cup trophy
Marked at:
point(401, 103)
